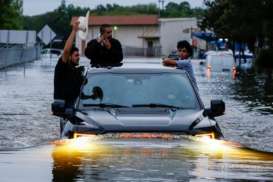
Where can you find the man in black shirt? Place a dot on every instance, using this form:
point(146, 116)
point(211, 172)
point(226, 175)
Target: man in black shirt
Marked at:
point(104, 51)
point(68, 76)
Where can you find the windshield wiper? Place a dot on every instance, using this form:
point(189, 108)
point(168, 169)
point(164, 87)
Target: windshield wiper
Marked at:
point(104, 105)
point(155, 105)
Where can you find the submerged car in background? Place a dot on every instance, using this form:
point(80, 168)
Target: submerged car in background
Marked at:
point(244, 62)
point(218, 61)
point(51, 53)
point(139, 98)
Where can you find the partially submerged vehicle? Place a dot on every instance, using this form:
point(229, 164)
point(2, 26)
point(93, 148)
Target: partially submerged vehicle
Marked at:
point(139, 98)
point(218, 61)
point(244, 62)
point(51, 53)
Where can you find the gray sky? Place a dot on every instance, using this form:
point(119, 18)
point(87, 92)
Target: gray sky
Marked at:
point(35, 7)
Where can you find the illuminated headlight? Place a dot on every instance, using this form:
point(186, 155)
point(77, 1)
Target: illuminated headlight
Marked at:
point(79, 144)
point(77, 135)
point(206, 136)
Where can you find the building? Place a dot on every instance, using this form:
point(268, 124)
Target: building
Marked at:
point(144, 35)
point(174, 29)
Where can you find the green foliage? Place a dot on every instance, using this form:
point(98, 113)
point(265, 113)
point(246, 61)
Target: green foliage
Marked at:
point(181, 10)
point(11, 14)
point(240, 20)
point(265, 59)
point(245, 22)
point(124, 10)
point(234, 19)
point(60, 18)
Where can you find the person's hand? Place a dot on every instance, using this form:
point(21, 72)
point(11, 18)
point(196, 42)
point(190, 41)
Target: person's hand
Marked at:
point(100, 39)
point(104, 41)
point(169, 62)
point(75, 26)
point(107, 43)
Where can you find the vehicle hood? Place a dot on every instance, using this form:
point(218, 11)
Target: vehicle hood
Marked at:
point(144, 119)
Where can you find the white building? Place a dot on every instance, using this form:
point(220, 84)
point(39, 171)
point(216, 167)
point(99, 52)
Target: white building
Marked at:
point(143, 35)
point(173, 30)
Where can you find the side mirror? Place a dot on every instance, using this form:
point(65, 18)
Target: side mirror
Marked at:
point(217, 108)
point(97, 93)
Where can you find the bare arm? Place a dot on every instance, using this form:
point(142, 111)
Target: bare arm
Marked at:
point(69, 41)
point(169, 62)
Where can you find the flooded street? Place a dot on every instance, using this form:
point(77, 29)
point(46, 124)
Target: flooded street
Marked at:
point(25, 97)
point(27, 132)
point(135, 160)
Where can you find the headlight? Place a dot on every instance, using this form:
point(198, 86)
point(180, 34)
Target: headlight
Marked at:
point(206, 136)
point(77, 135)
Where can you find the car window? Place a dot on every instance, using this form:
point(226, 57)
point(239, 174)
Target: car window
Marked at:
point(137, 89)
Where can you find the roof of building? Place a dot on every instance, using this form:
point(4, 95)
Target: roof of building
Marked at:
point(178, 19)
point(122, 20)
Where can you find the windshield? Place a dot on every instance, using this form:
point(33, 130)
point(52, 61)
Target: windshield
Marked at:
point(139, 90)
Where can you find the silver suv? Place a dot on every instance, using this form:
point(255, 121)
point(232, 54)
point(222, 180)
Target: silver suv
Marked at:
point(139, 98)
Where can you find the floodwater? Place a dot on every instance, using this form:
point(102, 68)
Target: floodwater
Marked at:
point(29, 150)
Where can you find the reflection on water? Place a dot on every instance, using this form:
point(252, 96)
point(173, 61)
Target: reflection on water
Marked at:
point(249, 106)
point(255, 92)
point(254, 89)
point(154, 160)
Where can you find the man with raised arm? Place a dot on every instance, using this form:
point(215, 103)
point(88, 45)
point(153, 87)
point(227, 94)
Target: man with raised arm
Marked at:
point(68, 75)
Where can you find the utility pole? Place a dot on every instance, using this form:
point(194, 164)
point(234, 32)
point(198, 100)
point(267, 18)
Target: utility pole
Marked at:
point(161, 6)
point(63, 3)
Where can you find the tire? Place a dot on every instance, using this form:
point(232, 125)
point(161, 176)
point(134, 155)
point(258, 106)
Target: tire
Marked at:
point(62, 124)
point(70, 135)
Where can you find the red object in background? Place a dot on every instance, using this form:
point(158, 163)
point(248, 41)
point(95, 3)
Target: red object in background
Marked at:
point(194, 43)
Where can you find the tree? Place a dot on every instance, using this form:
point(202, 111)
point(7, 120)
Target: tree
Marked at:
point(59, 19)
point(239, 20)
point(63, 5)
point(244, 22)
point(181, 10)
point(11, 14)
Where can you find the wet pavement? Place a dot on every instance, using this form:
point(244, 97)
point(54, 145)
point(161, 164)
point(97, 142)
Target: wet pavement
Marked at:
point(27, 128)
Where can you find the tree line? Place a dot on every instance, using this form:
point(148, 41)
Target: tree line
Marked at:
point(243, 21)
point(11, 14)
point(60, 18)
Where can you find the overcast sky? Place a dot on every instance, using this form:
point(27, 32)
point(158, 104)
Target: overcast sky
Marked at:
point(35, 7)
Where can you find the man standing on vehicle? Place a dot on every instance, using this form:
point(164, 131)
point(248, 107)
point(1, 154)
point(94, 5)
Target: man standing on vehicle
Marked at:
point(105, 51)
point(184, 50)
point(68, 75)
